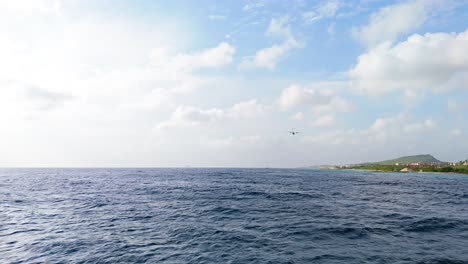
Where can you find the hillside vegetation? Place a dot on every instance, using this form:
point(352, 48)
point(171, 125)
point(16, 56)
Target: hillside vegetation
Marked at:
point(408, 159)
point(394, 168)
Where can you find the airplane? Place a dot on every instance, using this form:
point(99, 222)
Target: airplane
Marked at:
point(293, 132)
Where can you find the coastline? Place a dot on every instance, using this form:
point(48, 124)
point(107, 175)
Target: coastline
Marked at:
point(403, 172)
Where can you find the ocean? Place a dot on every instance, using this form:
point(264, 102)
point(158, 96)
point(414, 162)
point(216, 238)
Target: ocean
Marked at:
point(231, 216)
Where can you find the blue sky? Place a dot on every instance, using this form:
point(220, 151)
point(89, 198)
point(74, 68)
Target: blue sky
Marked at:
point(219, 83)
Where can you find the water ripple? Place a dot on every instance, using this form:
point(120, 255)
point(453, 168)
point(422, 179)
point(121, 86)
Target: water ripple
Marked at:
point(231, 216)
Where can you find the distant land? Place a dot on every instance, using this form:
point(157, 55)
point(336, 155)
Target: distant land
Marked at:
point(425, 158)
point(414, 163)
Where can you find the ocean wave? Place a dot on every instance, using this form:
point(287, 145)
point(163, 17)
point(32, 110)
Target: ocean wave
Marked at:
point(443, 261)
point(434, 224)
point(230, 216)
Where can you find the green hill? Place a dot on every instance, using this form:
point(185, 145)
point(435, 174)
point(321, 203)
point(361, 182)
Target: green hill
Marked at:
point(408, 159)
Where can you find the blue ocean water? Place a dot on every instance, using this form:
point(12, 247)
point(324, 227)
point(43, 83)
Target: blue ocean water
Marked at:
point(231, 216)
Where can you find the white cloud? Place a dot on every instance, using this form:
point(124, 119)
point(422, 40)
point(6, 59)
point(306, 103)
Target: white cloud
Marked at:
point(380, 124)
point(455, 105)
point(233, 141)
point(382, 130)
point(279, 27)
point(321, 100)
point(31, 7)
point(324, 121)
point(336, 105)
point(298, 116)
point(216, 57)
point(331, 29)
point(248, 109)
point(216, 17)
point(324, 10)
point(334, 137)
point(265, 58)
point(434, 61)
point(323, 103)
point(391, 21)
point(456, 132)
point(296, 95)
point(268, 57)
point(415, 127)
point(102, 80)
point(110, 67)
point(253, 4)
point(411, 98)
point(25, 101)
point(385, 128)
point(188, 116)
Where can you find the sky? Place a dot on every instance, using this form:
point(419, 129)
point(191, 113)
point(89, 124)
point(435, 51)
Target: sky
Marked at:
point(209, 83)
